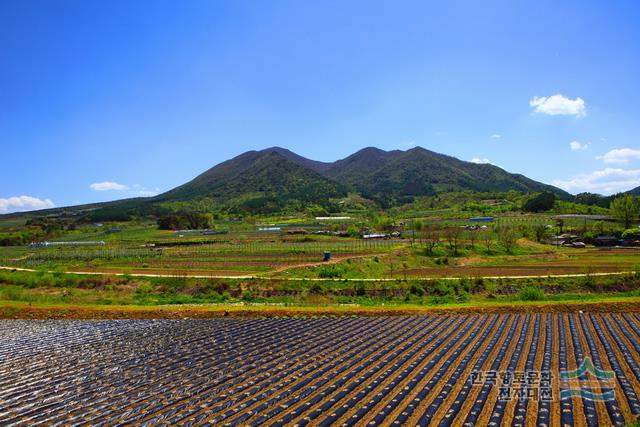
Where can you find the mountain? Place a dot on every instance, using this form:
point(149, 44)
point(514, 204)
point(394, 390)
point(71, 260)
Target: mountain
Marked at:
point(358, 167)
point(276, 179)
point(314, 165)
point(418, 172)
point(259, 181)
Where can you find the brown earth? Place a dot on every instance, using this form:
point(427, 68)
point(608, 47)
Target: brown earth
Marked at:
point(203, 312)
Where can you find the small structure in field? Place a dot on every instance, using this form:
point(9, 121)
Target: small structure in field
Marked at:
point(577, 245)
point(46, 244)
point(374, 236)
point(333, 218)
point(581, 216)
point(482, 219)
point(327, 256)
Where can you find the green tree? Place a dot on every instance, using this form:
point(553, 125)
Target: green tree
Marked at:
point(540, 202)
point(540, 231)
point(624, 208)
point(353, 231)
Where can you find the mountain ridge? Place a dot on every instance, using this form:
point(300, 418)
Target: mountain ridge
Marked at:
point(634, 191)
point(275, 178)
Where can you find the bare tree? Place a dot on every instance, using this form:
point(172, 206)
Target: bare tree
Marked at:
point(472, 237)
point(487, 237)
point(452, 234)
point(507, 237)
point(430, 237)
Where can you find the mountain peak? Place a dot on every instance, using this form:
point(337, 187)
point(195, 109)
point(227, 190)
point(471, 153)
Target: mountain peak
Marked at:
point(314, 165)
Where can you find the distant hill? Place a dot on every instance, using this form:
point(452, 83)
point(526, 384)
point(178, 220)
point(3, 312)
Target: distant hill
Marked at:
point(635, 191)
point(277, 179)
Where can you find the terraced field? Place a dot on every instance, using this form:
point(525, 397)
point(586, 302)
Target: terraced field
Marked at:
point(442, 370)
point(228, 259)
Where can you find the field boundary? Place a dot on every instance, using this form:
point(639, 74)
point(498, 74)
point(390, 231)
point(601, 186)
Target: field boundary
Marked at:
point(13, 310)
point(312, 279)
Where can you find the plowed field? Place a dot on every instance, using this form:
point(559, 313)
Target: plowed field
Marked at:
point(475, 369)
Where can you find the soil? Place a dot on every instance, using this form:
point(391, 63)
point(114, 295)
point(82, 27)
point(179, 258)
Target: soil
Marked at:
point(203, 312)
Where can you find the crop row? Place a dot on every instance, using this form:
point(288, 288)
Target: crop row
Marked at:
point(420, 370)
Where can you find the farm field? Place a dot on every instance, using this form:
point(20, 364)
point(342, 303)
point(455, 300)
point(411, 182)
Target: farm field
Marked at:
point(222, 258)
point(300, 258)
point(491, 369)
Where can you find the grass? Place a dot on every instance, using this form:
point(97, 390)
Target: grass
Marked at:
point(104, 290)
point(278, 256)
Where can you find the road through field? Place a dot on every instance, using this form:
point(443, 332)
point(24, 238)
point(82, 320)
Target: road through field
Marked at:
point(484, 369)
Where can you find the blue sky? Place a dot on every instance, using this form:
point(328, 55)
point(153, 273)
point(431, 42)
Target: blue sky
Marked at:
point(102, 100)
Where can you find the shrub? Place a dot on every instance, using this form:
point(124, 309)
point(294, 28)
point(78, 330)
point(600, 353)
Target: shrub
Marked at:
point(416, 289)
point(632, 233)
point(248, 295)
point(316, 288)
point(464, 296)
point(464, 285)
point(144, 289)
point(331, 271)
point(446, 299)
point(531, 293)
point(442, 288)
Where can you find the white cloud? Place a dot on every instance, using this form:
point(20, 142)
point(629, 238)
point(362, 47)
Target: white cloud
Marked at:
point(620, 156)
point(496, 136)
point(605, 181)
point(480, 161)
point(24, 203)
point(556, 105)
point(107, 186)
point(135, 190)
point(577, 146)
point(143, 191)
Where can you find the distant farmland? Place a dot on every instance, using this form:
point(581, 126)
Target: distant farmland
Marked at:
point(322, 371)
